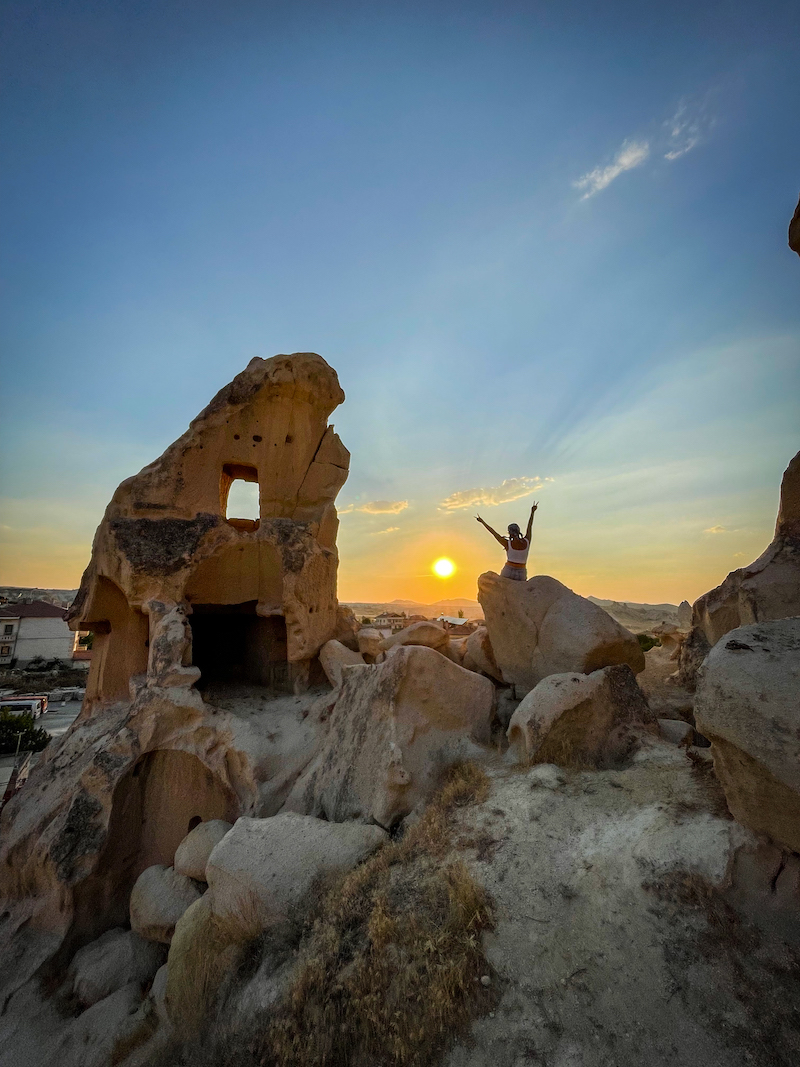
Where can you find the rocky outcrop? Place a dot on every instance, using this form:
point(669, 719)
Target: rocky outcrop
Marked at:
point(767, 589)
point(747, 706)
point(370, 641)
point(684, 615)
point(204, 625)
point(540, 627)
point(580, 719)
point(170, 568)
point(394, 727)
point(114, 960)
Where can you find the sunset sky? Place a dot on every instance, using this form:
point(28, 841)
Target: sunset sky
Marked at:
point(543, 245)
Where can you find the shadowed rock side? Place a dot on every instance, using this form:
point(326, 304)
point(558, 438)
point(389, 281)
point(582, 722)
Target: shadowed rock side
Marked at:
point(206, 635)
point(794, 230)
point(767, 589)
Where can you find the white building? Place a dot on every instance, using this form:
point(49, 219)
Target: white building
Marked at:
point(29, 631)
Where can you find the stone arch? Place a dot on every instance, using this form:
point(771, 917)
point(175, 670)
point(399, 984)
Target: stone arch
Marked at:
point(121, 642)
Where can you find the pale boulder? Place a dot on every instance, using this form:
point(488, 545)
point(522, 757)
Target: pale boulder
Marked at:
point(747, 706)
point(393, 730)
point(369, 643)
point(158, 899)
point(333, 657)
point(265, 866)
point(192, 853)
point(540, 627)
point(428, 634)
point(580, 719)
point(684, 615)
point(115, 959)
point(479, 655)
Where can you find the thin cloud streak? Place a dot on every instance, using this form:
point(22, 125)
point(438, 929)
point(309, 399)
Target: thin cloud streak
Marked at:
point(631, 154)
point(716, 529)
point(389, 529)
point(489, 496)
point(377, 507)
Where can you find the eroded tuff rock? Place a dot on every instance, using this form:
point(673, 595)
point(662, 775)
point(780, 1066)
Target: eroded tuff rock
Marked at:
point(205, 626)
point(747, 706)
point(540, 627)
point(581, 719)
point(393, 729)
point(767, 589)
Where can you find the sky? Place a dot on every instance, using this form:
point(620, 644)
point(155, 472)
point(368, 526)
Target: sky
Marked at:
point(542, 244)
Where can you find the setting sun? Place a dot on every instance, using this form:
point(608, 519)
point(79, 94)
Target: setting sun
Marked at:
point(444, 567)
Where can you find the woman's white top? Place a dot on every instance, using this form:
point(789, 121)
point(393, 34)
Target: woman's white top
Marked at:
point(518, 555)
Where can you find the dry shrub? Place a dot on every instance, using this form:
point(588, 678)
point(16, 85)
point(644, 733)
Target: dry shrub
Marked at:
point(389, 963)
point(704, 773)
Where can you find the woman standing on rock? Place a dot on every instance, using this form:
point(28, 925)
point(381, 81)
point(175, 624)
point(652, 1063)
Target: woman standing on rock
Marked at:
point(517, 547)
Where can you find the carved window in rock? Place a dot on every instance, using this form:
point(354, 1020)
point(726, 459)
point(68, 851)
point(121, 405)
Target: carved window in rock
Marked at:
point(238, 495)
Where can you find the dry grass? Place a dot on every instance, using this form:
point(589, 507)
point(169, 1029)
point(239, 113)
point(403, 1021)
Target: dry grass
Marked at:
point(390, 960)
point(704, 773)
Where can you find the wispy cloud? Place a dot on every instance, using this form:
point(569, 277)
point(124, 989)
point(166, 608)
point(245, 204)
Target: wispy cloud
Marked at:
point(377, 507)
point(716, 529)
point(685, 130)
point(488, 496)
point(631, 154)
point(389, 529)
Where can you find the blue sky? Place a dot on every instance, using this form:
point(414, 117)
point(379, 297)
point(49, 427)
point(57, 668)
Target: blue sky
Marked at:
point(537, 241)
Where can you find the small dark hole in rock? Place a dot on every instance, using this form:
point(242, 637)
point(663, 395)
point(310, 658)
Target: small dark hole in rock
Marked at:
point(257, 437)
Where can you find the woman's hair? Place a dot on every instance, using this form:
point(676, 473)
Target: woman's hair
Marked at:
point(514, 529)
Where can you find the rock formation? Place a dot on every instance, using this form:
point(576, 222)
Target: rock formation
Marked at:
point(580, 719)
point(540, 627)
point(393, 729)
point(204, 624)
point(747, 706)
point(794, 230)
point(767, 589)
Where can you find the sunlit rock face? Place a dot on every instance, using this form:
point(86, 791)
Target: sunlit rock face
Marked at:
point(767, 589)
point(165, 539)
point(207, 629)
point(540, 627)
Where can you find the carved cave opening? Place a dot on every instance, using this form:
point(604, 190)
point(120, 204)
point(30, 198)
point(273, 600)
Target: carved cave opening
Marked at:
point(232, 645)
point(153, 806)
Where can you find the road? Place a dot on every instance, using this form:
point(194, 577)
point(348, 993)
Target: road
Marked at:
point(57, 721)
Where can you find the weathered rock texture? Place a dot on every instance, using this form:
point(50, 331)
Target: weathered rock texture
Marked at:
point(580, 719)
point(158, 899)
point(192, 853)
point(430, 634)
point(171, 572)
point(393, 729)
point(747, 705)
point(540, 627)
point(768, 589)
point(177, 594)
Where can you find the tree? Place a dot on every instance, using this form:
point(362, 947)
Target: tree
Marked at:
point(461, 613)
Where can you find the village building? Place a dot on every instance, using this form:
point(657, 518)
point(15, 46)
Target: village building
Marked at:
point(37, 630)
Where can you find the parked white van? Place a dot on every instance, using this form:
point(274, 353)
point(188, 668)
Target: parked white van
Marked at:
point(36, 705)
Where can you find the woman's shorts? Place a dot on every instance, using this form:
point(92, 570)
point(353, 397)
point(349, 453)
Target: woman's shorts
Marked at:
point(516, 574)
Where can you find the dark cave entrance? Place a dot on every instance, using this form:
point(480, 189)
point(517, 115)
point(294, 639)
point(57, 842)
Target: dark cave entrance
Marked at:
point(232, 645)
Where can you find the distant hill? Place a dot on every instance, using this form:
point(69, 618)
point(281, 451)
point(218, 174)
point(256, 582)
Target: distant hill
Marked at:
point(15, 593)
point(635, 617)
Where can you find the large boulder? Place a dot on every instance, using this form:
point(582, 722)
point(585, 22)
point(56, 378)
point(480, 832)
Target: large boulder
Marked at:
point(192, 853)
point(393, 729)
point(767, 589)
point(540, 627)
point(333, 656)
point(747, 706)
point(265, 866)
point(579, 719)
point(115, 959)
point(158, 899)
point(429, 634)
